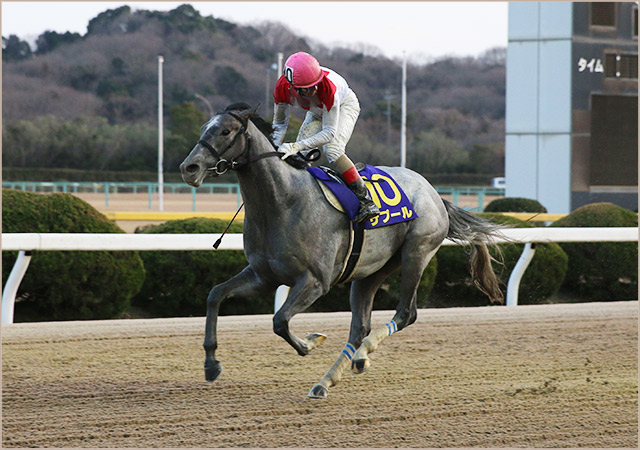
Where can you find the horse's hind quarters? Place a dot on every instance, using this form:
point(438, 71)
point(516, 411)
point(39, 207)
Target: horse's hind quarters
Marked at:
point(212, 369)
point(318, 391)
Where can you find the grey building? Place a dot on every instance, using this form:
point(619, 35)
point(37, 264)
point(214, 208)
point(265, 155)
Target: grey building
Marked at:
point(572, 103)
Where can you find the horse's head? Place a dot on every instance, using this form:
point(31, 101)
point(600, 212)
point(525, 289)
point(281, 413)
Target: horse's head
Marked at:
point(223, 142)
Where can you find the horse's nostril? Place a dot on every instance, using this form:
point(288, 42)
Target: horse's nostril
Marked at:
point(191, 168)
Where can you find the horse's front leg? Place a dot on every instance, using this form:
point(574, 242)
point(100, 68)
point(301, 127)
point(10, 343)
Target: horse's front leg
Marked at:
point(302, 295)
point(244, 284)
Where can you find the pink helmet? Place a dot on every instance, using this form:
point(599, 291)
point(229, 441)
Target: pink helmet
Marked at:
point(302, 70)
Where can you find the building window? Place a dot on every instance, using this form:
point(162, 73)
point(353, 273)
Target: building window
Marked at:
point(603, 14)
point(621, 66)
point(628, 66)
point(610, 65)
point(635, 21)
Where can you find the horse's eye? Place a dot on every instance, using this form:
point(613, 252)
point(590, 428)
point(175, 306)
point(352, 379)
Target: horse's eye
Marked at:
point(225, 132)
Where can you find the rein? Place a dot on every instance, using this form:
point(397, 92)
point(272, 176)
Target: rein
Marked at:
point(223, 165)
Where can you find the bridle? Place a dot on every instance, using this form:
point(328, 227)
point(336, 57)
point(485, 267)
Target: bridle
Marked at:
point(243, 159)
point(223, 165)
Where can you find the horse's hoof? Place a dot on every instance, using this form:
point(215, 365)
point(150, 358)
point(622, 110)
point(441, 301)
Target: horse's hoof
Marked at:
point(360, 365)
point(312, 340)
point(212, 370)
point(318, 391)
point(315, 339)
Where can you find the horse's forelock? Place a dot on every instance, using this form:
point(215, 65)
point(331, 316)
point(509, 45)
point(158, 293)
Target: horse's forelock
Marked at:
point(239, 108)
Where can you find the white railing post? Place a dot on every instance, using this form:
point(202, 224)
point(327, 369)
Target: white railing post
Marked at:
point(518, 271)
point(13, 283)
point(160, 137)
point(281, 296)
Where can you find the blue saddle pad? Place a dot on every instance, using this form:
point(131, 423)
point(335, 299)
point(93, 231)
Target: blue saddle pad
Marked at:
point(388, 196)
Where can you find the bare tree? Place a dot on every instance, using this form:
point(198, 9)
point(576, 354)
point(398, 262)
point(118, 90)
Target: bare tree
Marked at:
point(277, 37)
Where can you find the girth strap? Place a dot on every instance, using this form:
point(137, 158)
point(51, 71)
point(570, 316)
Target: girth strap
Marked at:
point(356, 242)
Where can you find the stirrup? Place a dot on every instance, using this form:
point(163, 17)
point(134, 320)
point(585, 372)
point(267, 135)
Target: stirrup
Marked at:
point(366, 213)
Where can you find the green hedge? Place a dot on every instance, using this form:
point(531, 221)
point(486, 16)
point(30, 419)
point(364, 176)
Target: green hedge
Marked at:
point(515, 204)
point(178, 283)
point(601, 271)
point(542, 279)
point(67, 285)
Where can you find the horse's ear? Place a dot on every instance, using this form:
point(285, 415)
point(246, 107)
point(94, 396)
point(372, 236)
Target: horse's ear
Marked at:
point(244, 111)
point(249, 112)
point(238, 107)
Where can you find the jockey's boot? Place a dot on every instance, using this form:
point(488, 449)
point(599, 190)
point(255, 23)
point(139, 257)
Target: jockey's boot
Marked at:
point(368, 209)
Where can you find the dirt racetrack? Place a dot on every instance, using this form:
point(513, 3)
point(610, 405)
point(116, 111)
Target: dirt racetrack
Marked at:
point(528, 376)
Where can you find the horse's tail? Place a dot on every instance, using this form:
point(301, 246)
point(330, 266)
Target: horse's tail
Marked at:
point(470, 230)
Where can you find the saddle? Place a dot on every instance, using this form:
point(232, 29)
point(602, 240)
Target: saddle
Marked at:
point(394, 205)
point(326, 177)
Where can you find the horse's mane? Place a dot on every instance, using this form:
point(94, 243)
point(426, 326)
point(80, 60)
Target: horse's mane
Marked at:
point(265, 127)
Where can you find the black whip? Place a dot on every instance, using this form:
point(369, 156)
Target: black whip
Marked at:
point(217, 243)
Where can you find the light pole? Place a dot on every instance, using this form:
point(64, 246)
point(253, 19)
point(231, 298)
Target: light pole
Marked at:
point(388, 96)
point(277, 68)
point(267, 89)
point(403, 131)
point(160, 138)
point(280, 58)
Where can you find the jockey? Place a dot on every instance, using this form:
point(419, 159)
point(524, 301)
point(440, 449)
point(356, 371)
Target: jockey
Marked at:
point(332, 110)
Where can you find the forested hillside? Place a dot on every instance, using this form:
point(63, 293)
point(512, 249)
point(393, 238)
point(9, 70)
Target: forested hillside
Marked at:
point(90, 102)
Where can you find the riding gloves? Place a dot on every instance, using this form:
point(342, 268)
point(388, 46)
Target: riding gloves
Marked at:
point(289, 149)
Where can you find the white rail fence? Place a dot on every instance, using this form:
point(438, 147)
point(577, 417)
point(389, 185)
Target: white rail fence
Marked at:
point(25, 243)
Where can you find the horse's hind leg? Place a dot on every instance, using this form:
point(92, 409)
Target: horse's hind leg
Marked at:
point(406, 312)
point(361, 300)
point(244, 284)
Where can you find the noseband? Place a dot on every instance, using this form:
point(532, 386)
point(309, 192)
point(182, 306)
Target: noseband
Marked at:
point(223, 165)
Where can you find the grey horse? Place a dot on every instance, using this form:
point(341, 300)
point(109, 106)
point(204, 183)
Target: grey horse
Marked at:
point(293, 237)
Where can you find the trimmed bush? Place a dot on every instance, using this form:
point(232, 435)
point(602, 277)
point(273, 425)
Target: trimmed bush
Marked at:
point(388, 296)
point(67, 285)
point(515, 204)
point(178, 283)
point(601, 271)
point(542, 279)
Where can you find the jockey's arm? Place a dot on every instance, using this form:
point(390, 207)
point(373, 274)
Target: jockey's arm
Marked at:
point(326, 134)
point(280, 122)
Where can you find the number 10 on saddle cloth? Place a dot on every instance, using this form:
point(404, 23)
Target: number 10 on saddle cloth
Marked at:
point(388, 196)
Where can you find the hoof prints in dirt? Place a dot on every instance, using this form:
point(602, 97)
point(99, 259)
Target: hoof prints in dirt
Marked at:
point(548, 376)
